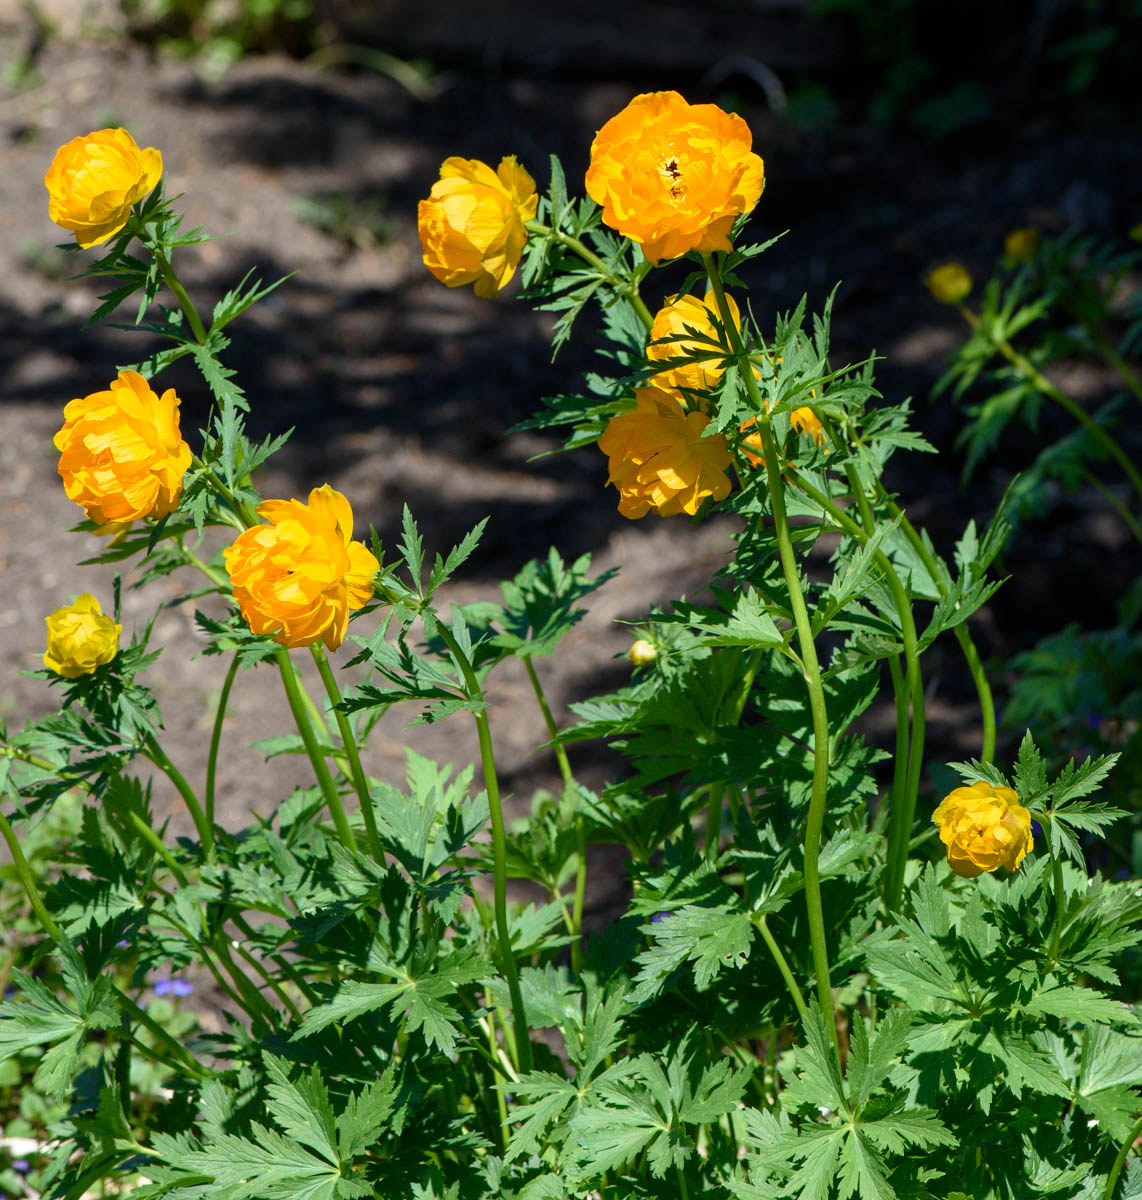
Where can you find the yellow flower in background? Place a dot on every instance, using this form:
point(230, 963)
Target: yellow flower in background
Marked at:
point(672, 320)
point(984, 827)
point(301, 575)
point(472, 224)
point(950, 283)
point(1019, 245)
point(660, 460)
point(94, 180)
point(804, 420)
point(80, 638)
point(121, 453)
point(674, 176)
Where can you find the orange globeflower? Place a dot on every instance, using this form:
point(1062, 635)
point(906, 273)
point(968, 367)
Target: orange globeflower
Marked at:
point(94, 180)
point(672, 320)
point(121, 453)
point(472, 224)
point(659, 458)
point(673, 176)
point(301, 575)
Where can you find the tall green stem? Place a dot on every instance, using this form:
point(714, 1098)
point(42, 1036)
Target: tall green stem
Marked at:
point(580, 825)
point(350, 743)
point(783, 967)
point(180, 293)
point(155, 753)
point(1120, 1161)
point(815, 820)
point(1060, 907)
point(28, 880)
point(316, 758)
point(499, 845)
point(216, 740)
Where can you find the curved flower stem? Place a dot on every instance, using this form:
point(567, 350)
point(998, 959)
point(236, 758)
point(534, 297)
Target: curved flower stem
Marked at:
point(216, 740)
point(180, 294)
point(28, 880)
point(783, 967)
point(356, 771)
point(242, 511)
point(1128, 518)
point(499, 846)
point(580, 825)
point(1044, 386)
point(309, 739)
point(152, 751)
point(815, 820)
point(1120, 1161)
point(904, 792)
point(627, 288)
point(174, 1047)
point(963, 634)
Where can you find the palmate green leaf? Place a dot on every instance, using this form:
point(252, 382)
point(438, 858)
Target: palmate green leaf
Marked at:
point(548, 1097)
point(302, 1108)
point(743, 620)
point(1077, 1004)
point(270, 1167)
point(710, 938)
point(444, 568)
point(369, 1113)
point(873, 1054)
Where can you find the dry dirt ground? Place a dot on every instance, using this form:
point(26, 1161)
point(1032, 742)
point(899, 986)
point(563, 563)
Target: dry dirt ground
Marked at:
point(402, 391)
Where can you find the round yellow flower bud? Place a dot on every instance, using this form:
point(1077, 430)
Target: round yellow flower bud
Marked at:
point(674, 176)
point(94, 180)
point(301, 575)
point(642, 653)
point(950, 283)
point(984, 827)
point(672, 320)
point(472, 224)
point(1019, 245)
point(659, 458)
point(80, 638)
point(121, 453)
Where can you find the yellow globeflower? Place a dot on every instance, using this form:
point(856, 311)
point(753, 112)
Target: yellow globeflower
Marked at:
point(674, 176)
point(984, 827)
point(659, 458)
point(950, 283)
point(804, 420)
point(94, 180)
point(677, 315)
point(121, 453)
point(472, 224)
point(1019, 245)
point(80, 638)
point(301, 575)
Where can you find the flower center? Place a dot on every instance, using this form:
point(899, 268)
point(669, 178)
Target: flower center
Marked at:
point(672, 176)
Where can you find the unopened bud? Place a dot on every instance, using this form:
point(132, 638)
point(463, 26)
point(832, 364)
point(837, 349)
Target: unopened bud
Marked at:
point(642, 653)
point(950, 283)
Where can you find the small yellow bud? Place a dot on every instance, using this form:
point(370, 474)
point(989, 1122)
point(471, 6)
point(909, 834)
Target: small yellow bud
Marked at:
point(950, 283)
point(1019, 245)
point(642, 653)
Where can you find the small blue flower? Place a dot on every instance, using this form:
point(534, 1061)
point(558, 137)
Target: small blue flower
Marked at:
point(176, 987)
point(1036, 829)
point(21, 1166)
point(181, 987)
point(162, 986)
point(1093, 720)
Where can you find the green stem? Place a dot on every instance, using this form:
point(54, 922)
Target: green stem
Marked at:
point(287, 968)
point(309, 739)
point(184, 301)
point(1060, 906)
point(1120, 1161)
point(783, 967)
point(1128, 518)
point(682, 1189)
point(1043, 385)
point(216, 577)
point(815, 820)
point(243, 511)
point(1106, 348)
point(625, 287)
point(28, 880)
point(963, 634)
point(216, 740)
point(350, 744)
point(155, 754)
point(904, 802)
point(173, 1046)
point(499, 845)
point(156, 843)
point(714, 820)
point(580, 825)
